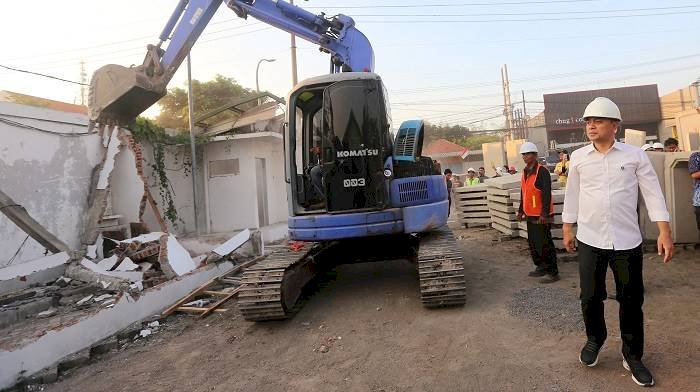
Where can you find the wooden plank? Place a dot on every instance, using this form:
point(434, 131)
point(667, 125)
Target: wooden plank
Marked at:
point(203, 287)
point(192, 309)
point(219, 293)
point(222, 301)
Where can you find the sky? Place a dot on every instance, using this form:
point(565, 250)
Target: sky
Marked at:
point(440, 59)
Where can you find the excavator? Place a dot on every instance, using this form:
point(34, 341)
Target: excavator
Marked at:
point(355, 192)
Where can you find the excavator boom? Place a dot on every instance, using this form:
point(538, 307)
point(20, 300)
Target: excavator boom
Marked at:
point(118, 94)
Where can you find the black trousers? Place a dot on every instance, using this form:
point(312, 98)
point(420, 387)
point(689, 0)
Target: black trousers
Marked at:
point(542, 249)
point(627, 269)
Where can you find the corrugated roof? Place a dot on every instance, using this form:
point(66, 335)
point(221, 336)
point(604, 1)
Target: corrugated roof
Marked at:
point(442, 146)
point(10, 96)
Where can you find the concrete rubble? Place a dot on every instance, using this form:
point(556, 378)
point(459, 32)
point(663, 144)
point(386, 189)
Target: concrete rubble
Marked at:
point(56, 309)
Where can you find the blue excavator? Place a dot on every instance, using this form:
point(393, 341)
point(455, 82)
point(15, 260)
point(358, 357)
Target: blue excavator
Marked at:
point(355, 192)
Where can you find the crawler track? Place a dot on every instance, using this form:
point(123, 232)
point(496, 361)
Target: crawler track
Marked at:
point(441, 269)
point(273, 285)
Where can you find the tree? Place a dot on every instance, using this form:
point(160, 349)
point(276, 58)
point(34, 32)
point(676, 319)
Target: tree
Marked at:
point(207, 96)
point(458, 134)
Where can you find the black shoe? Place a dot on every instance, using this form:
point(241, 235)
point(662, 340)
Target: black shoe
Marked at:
point(549, 278)
point(537, 273)
point(589, 353)
point(640, 374)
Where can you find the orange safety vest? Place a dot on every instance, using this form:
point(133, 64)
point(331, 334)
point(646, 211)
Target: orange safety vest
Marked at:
point(532, 197)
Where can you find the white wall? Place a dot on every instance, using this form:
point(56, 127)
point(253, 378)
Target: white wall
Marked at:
point(232, 200)
point(47, 173)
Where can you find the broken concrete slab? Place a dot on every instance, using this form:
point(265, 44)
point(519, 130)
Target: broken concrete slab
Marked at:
point(131, 276)
point(80, 272)
point(29, 225)
point(104, 346)
point(108, 263)
point(57, 343)
point(234, 243)
point(108, 164)
point(150, 237)
point(74, 360)
point(178, 258)
point(40, 271)
point(127, 265)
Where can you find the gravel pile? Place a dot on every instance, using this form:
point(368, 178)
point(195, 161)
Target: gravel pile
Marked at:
point(551, 307)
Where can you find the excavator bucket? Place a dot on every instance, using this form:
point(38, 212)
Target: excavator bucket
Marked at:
point(119, 94)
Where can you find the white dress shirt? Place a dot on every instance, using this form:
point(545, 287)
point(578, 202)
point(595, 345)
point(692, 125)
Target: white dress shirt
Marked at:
point(602, 193)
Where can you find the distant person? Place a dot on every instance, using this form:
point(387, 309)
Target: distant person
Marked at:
point(537, 208)
point(562, 168)
point(671, 145)
point(448, 181)
point(512, 170)
point(647, 147)
point(471, 179)
point(694, 169)
point(605, 178)
point(482, 175)
point(658, 147)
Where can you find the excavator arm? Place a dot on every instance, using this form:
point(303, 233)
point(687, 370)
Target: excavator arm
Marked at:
point(119, 94)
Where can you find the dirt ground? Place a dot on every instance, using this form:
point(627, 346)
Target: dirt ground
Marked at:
point(379, 338)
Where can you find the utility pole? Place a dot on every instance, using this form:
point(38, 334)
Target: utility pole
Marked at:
point(527, 129)
point(83, 81)
point(507, 105)
point(190, 109)
point(294, 55)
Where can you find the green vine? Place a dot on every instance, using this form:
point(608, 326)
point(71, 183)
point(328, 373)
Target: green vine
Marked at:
point(145, 130)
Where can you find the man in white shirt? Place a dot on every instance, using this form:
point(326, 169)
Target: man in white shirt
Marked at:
point(601, 196)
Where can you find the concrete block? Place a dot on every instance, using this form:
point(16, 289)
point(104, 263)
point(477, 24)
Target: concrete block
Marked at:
point(45, 376)
point(73, 361)
point(40, 271)
point(504, 222)
point(104, 346)
point(49, 348)
point(31, 309)
point(502, 207)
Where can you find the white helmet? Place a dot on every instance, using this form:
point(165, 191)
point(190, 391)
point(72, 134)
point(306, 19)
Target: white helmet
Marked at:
point(646, 147)
point(528, 147)
point(471, 169)
point(658, 145)
point(602, 107)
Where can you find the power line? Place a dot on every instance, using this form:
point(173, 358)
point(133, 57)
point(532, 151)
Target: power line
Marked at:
point(562, 19)
point(27, 126)
point(41, 74)
point(459, 4)
point(529, 13)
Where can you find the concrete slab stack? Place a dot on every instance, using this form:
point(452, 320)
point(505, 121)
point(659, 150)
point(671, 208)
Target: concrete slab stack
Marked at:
point(499, 194)
point(471, 205)
point(557, 231)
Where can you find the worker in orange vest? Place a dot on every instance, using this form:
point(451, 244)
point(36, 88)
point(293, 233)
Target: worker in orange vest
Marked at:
point(537, 207)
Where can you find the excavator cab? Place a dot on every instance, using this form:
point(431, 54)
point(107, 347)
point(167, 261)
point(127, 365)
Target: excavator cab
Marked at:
point(339, 145)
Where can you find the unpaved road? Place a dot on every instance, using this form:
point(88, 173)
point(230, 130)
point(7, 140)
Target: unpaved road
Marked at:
point(379, 337)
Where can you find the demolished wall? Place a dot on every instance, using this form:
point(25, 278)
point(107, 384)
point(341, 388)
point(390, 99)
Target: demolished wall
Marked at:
point(46, 161)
